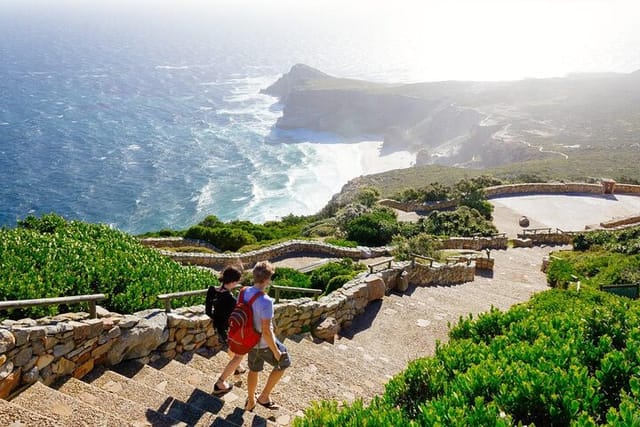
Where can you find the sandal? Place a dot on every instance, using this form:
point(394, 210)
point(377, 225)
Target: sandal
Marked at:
point(271, 405)
point(240, 370)
point(219, 390)
point(246, 406)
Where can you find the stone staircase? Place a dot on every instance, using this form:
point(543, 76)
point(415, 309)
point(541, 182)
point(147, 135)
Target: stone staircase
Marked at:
point(179, 392)
point(375, 346)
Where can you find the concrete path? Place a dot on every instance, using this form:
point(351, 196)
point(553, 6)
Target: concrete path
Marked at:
point(566, 212)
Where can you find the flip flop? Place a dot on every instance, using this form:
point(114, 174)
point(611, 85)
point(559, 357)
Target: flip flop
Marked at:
point(271, 405)
point(246, 403)
point(219, 390)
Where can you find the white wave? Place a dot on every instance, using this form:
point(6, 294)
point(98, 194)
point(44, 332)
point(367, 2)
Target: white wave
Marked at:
point(311, 182)
point(171, 67)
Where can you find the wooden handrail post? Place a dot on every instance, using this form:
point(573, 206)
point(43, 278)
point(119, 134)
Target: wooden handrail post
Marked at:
point(92, 310)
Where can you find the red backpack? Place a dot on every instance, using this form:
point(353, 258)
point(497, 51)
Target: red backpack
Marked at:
point(242, 333)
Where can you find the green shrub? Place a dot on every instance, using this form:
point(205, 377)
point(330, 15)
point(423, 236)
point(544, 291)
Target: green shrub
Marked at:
point(559, 273)
point(463, 221)
point(422, 244)
point(290, 277)
point(342, 271)
point(342, 242)
point(50, 257)
point(563, 358)
point(234, 235)
point(223, 237)
point(375, 228)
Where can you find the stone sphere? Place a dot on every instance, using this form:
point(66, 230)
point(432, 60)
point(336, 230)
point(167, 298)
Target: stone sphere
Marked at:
point(524, 221)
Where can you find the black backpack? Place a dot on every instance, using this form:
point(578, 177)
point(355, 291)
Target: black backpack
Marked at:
point(222, 302)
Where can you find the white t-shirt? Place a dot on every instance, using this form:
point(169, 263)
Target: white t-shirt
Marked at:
point(262, 309)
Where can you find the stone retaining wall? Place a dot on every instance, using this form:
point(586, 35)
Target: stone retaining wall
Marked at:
point(475, 243)
point(514, 189)
point(72, 344)
point(249, 259)
point(176, 242)
point(552, 238)
point(621, 222)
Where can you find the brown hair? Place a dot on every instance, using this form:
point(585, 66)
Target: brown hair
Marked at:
point(262, 271)
point(230, 274)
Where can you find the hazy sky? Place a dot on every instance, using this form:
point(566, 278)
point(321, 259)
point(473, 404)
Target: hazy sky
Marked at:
point(423, 40)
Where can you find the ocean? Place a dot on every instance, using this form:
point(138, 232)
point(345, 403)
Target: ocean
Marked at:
point(148, 114)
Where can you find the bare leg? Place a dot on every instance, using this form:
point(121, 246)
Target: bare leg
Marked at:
point(252, 386)
point(273, 379)
point(228, 370)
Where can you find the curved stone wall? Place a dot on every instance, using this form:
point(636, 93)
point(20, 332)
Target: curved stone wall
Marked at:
point(515, 189)
point(274, 252)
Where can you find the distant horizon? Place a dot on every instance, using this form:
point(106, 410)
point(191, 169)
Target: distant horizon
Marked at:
point(424, 41)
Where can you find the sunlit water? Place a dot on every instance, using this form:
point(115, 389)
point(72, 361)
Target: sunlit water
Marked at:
point(148, 115)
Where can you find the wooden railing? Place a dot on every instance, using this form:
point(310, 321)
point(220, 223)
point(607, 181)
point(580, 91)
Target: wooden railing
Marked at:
point(278, 289)
point(536, 231)
point(426, 258)
point(379, 263)
point(166, 298)
point(90, 299)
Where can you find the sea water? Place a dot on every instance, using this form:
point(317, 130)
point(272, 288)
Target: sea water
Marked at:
point(148, 114)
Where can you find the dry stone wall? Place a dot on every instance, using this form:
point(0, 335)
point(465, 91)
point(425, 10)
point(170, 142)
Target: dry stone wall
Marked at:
point(249, 259)
point(72, 344)
point(515, 189)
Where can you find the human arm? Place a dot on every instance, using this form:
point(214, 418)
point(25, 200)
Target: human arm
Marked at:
point(270, 338)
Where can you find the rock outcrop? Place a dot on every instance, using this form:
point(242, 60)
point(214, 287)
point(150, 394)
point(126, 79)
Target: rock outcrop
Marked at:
point(469, 124)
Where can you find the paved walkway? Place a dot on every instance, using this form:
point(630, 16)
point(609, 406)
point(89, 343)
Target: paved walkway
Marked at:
point(566, 212)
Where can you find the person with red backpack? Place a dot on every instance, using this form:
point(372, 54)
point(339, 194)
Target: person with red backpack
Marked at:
point(219, 305)
point(269, 349)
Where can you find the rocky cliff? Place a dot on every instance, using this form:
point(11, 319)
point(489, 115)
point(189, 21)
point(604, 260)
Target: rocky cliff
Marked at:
point(469, 124)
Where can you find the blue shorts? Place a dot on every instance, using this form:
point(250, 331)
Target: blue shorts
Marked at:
point(257, 357)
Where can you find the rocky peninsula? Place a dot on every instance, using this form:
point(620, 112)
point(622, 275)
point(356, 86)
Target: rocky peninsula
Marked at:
point(468, 124)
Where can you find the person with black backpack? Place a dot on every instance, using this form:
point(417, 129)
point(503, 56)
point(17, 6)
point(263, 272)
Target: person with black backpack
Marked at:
point(219, 304)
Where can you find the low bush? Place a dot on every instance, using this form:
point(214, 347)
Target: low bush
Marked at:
point(290, 277)
point(563, 358)
point(342, 242)
point(375, 228)
point(49, 257)
point(341, 271)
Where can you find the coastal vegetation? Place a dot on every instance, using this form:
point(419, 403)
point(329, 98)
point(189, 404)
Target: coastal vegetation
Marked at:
point(50, 257)
point(563, 358)
point(598, 257)
point(327, 277)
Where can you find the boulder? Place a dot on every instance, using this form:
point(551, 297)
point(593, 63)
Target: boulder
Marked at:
point(139, 341)
point(326, 330)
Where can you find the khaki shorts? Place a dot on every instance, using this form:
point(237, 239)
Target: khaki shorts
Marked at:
point(257, 357)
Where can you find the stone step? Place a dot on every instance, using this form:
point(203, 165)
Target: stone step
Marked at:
point(194, 396)
point(204, 380)
point(14, 415)
point(316, 374)
point(65, 409)
point(206, 362)
point(112, 403)
point(346, 355)
point(158, 401)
